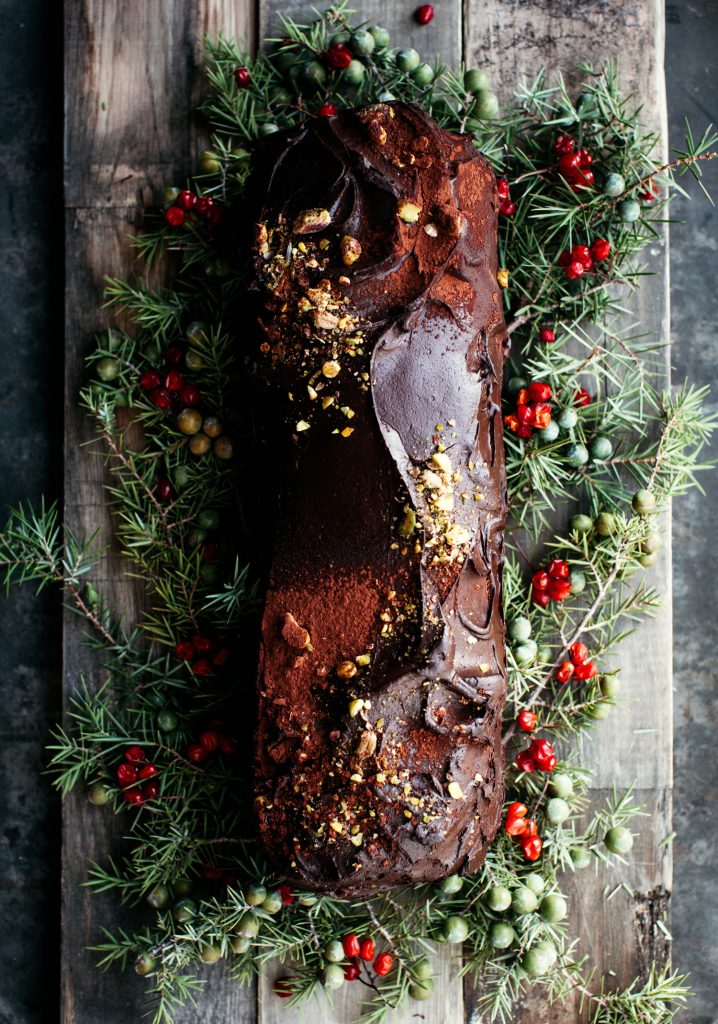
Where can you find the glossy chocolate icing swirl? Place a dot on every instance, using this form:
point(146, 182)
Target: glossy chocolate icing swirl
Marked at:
point(382, 675)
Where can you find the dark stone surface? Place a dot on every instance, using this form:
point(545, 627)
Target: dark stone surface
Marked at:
point(31, 403)
point(31, 337)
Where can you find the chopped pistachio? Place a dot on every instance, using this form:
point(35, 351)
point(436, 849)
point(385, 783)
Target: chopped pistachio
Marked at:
point(456, 535)
point(357, 839)
point(344, 280)
point(367, 744)
point(310, 221)
point(356, 777)
point(408, 211)
point(348, 412)
point(302, 425)
point(327, 401)
point(331, 368)
point(442, 460)
point(407, 813)
point(347, 432)
point(363, 659)
point(338, 826)
point(455, 791)
point(380, 777)
point(311, 392)
point(350, 249)
point(355, 707)
point(407, 523)
point(431, 230)
point(502, 277)
point(324, 320)
point(346, 670)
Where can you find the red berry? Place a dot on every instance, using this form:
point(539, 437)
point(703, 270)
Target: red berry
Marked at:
point(424, 14)
point(578, 653)
point(559, 590)
point(525, 762)
point(186, 199)
point(338, 57)
point(350, 945)
point(209, 551)
point(568, 164)
point(227, 744)
point(507, 208)
point(585, 671)
point(540, 597)
point(515, 827)
point(189, 395)
point(532, 847)
point(385, 961)
point(209, 740)
point(564, 260)
point(135, 755)
point(367, 949)
point(215, 215)
point(565, 671)
point(547, 336)
point(564, 144)
point(526, 720)
point(173, 355)
point(164, 490)
point(161, 398)
point(201, 643)
point(196, 752)
point(204, 205)
point(327, 110)
point(174, 215)
point(524, 414)
point(524, 431)
point(134, 796)
point(531, 827)
point(601, 249)
point(582, 253)
point(502, 187)
point(202, 667)
point(522, 397)
point(149, 771)
point(286, 895)
point(351, 972)
point(542, 415)
point(539, 392)
point(585, 177)
point(511, 422)
point(282, 987)
point(184, 650)
point(543, 755)
point(211, 873)
point(558, 569)
point(126, 774)
point(585, 159)
point(582, 397)
point(540, 579)
point(574, 270)
point(150, 791)
point(517, 810)
point(242, 77)
point(221, 656)
point(150, 380)
point(174, 380)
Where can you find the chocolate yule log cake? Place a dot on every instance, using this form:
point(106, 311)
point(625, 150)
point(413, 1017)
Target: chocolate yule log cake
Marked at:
point(382, 675)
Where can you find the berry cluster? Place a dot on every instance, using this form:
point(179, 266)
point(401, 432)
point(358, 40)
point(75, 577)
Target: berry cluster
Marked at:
point(507, 206)
point(524, 829)
point(581, 258)
point(574, 165)
point(357, 950)
point(186, 203)
point(201, 651)
point(577, 665)
point(533, 410)
point(135, 775)
point(168, 387)
point(215, 738)
point(551, 583)
point(540, 755)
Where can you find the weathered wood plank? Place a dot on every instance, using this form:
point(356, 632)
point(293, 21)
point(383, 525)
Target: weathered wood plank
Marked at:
point(444, 39)
point(512, 39)
point(130, 74)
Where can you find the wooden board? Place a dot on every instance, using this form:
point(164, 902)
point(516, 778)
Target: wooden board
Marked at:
point(132, 74)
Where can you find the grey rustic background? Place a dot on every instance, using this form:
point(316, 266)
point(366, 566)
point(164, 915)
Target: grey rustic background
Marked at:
point(31, 398)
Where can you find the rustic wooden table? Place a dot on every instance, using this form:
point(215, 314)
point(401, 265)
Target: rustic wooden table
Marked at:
point(133, 75)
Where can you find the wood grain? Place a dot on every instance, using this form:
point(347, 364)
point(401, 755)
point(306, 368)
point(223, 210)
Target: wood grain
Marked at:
point(132, 78)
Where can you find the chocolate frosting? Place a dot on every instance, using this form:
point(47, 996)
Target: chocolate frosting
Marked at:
point(382, 673)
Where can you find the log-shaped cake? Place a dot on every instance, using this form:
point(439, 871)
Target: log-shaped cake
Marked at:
point(382, 675)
